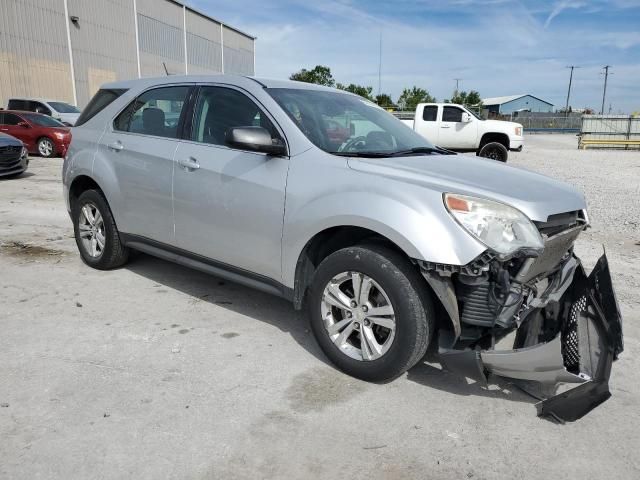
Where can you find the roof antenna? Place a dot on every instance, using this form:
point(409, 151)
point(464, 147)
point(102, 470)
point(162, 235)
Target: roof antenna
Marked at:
point(165, 69)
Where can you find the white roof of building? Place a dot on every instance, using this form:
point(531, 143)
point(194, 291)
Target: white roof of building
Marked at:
point(507, 99)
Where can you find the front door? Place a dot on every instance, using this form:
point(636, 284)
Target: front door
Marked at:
point(140, 147)
point(229, 203)
point(454, 133)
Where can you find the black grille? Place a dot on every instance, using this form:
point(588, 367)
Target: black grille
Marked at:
point(570, 352)
point(10, 158)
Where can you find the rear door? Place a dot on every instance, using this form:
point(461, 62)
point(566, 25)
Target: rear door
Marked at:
point(229, 203)
point(427, 124)
point(140, 147)
point(454, 133)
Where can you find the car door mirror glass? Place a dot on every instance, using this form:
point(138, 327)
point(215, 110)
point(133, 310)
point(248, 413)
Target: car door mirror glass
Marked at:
point(255, 139)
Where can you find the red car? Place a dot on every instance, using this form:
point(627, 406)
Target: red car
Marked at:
point(40, 133)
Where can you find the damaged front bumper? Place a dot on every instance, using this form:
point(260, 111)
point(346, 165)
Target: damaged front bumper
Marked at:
point(567, 335)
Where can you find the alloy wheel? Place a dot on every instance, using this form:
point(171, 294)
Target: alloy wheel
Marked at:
point(91, 230)
point(45, 147)
point(358, 316)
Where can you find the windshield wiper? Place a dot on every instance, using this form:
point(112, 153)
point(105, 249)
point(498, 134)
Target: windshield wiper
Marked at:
point(364, 154)
point(418, 150)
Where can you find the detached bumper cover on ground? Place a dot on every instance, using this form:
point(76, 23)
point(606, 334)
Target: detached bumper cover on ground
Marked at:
point(582, 328)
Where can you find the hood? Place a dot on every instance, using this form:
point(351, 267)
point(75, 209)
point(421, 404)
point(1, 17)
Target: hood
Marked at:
point(537, 196)
point(71, 118)
point(8, 140)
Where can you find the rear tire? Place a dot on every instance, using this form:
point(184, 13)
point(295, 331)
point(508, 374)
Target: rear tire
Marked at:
point(494, 151)
point(97, 236)
point(397, 333)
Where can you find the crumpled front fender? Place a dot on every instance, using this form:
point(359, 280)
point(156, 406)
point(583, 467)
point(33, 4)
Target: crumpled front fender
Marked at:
point(582, 352)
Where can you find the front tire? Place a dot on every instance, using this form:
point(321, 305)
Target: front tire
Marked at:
point(46, 147)
point(370, 312)
point(97, 236)
point(494, 151)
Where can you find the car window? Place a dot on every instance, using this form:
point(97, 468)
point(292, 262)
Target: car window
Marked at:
point(218, 109)
point(451, 114)
point(155, 112)
point(341, 123)
point(430, 113)
point(11, 119)
point(17, 105)
point(63, 107)
point(42, 120)
point(39, 108)
point(101, 100)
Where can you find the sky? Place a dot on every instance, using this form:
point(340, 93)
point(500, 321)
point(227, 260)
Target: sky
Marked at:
point(497, 47)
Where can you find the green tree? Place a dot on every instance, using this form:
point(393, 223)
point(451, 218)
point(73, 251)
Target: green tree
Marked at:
point(470, 99)
point(411, 97)
point(357, 89)
point(384, 100)
point(320, 75)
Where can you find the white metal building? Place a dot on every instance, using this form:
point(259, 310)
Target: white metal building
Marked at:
point(65, 49)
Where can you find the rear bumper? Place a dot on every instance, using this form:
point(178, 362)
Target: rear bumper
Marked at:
point(587, 339)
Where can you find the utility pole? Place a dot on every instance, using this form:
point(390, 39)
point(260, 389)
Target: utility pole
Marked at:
point(380, 66)
point(457, 90)
point(566, 108)
point(604, 92)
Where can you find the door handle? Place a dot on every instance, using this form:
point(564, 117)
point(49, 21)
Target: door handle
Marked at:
point(189, 164)
point(115, 146)
point(445, 126)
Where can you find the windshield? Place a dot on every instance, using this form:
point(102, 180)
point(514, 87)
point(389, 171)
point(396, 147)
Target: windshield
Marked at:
point(64, 107)
point(340, 123)
point(475, 114)
point(42, 120)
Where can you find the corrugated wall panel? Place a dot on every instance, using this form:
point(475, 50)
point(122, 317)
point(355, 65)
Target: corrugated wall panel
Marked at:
point(162, 10)
point(34, 59)
point(238, 53)
point(204, 53)
point(104, 44)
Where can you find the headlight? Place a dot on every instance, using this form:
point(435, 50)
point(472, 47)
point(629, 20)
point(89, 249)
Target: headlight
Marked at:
point(500, 227)
point(24, 152)
point(518, 131)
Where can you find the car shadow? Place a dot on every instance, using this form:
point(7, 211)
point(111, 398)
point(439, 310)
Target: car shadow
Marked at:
point(204, 287)
point(26, 174)
point(425, 373)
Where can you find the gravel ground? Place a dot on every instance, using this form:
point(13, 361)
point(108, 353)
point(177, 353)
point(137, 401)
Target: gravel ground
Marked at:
point(155, 371)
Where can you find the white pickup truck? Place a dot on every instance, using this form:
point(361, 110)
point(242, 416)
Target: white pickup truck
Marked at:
point(454, 127)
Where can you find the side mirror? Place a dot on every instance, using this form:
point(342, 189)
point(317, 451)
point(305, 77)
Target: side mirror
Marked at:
point(466, 117)
point(24, 125)
point(255, 139)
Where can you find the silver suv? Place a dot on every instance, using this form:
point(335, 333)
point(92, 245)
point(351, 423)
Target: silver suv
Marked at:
point(323, 198)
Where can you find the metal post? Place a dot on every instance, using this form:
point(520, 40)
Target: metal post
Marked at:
point(604, 92)
point(222, 48)
point(135, 22)
point(184, 31)
point(73, 70)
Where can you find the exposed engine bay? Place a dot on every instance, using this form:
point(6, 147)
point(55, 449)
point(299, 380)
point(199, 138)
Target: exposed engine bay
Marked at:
point(561, 327)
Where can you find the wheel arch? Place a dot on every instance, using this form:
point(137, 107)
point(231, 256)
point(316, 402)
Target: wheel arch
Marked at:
point(498, 137)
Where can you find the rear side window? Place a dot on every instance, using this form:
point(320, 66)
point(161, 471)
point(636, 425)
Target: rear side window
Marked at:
point(156, 112)
point(17, 104)
point(430, 113)
point(11, 119)
point(452, 114)
point(99, 102)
